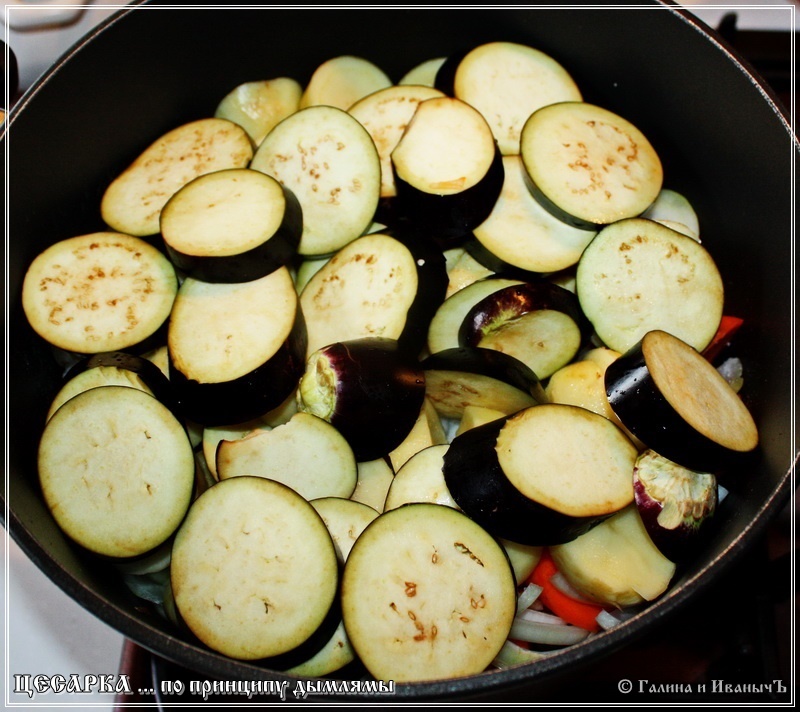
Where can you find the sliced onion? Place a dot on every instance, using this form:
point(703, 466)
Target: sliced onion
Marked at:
point(512, 654)
point(546, 633)
point(607, 620)
point(560, 582)
point(541, 617)
point(527, 597)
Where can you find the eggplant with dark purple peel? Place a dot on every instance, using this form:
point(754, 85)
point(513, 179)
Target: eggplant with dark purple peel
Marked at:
point(540, 323)
point(671, 398)
point(236, 351)
point(511, 477)
point(469, 375)
point(368, 388)
point(673, 502)
point(448, 170)
point(116, 368)
point(233, 225)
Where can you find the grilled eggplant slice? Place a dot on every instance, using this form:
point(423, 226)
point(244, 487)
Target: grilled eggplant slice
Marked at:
point(385, 114)
point(329, 162)
point(473, 376)
point(539, 323)
point(519, 233)
point(104, 291)
point(448, 170)
point(259, 106)
point(236, 350)
point(341, 81)
point(117, 471)
point(542, 476)
point(638, 275)
point(132, 203)
point(307, 453)
point(507, 82)
point(115, 368)
point(368, 388)
point(587, 165)
point(379, 285)
point(235, 225)
point(427, 594)
point(668, 395)
point(254, 570)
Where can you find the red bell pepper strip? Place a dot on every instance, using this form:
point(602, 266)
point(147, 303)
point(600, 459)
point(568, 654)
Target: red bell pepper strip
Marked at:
point(578, 613)
point(728, 326)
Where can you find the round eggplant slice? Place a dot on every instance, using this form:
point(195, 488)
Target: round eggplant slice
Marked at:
point(254, 570)
point(427, 594)
point(587, 165)
point(117, 471)
point(671, 398)
point(132, 203)
point(368, 388)
point(473, 376)
point(507, 82)
point(327, 159)
point(115, 368)
point(542, 476)
point(448, 170)
point(539, 323)
point(342, 81)
point(520, 233)
point(259, 106)
point(103, 291)
point(236, 350)
point(235, 225)
point(423, 74)
point(638, 275)
point(385, 115)
point(379, 285)
point(673, 502)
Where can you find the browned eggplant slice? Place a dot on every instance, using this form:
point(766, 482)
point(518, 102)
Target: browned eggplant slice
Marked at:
point(448, 170)
point(231, 226)
point(381, 284)
point(542, 476)
point(588, 165)
point(671, 398)
point(236, 350)
point(368, 388)
point(473, 376)
point(673, 502)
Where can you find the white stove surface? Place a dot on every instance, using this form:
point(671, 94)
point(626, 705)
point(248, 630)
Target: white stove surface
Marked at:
point(46, 632)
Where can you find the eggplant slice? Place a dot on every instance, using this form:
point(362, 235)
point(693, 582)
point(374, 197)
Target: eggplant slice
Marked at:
point(542, 476)
point(671, 398)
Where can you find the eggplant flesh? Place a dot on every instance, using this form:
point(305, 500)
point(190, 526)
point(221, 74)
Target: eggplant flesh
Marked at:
point(673, 501)
point(368, 388)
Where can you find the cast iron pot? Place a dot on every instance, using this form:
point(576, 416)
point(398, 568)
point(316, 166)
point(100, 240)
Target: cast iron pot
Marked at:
point(724, 140)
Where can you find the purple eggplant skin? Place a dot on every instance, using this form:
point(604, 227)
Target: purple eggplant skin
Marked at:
point(253, 264)
point(151, 375)
point(516, 300)
point(479, 487)
point(248, 396)
point(488, 362)
point(643, 410)
point(673, 502)
point(446, 74)
point(370, 389)
point(450, 219)
point(432, 282)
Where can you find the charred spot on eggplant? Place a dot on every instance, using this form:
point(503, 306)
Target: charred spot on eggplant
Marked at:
point(368, 388)
point(673, 501)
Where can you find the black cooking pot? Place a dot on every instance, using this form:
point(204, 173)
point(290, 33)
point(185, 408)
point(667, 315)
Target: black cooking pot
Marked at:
point(724, 141)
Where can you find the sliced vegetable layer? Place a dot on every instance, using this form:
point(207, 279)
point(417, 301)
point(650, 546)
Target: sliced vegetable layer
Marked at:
point(427, 594)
